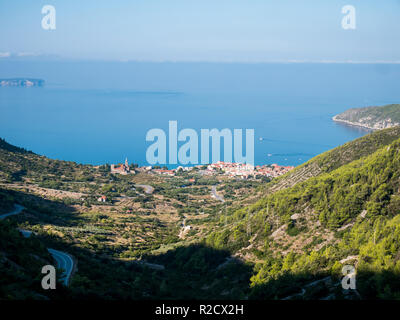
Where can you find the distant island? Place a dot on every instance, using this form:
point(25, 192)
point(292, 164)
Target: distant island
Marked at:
point(374, 118)
point(21, 82)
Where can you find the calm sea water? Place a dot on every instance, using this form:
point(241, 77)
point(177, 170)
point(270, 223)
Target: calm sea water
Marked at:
point(100, 112)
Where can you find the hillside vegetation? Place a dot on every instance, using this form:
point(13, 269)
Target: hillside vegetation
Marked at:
point(372, 117)
point(336, 157)
point(129, 247)
point(288, 242)
point(304, 231)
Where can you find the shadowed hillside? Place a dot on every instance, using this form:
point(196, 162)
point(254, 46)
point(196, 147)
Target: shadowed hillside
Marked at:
point(349, 214)
point(291, 244)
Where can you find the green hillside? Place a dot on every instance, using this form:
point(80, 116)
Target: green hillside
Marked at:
point(340, 208)
point(127, 247)
point(302, 232)
point(336, 157)
point(372, 117)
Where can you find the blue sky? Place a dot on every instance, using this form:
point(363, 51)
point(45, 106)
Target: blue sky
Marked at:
point(204, 30)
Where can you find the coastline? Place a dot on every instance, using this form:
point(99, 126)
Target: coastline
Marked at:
point(356, 124)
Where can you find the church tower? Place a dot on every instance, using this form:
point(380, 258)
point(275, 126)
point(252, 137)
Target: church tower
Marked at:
point(126, 164)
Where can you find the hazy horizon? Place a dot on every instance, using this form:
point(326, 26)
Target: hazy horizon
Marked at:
point(193, 31)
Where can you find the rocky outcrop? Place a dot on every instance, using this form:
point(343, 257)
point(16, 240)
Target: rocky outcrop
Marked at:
point(21, 82)
point(373, 118)
point(368, 124)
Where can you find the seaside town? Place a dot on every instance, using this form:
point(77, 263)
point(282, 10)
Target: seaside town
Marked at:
point(238, 170)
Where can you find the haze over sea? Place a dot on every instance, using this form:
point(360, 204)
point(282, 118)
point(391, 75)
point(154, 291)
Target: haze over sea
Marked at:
point(100, 112)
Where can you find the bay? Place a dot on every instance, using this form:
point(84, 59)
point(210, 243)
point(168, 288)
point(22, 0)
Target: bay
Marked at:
point(99, 112)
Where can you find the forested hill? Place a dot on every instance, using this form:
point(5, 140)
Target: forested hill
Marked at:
point(17, 163)
point(340, 208)
point(5, 146)
point(308, 231)
point(333, 159)
point(372, 117)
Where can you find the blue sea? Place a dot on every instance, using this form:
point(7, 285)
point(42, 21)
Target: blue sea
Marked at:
point(100, 112)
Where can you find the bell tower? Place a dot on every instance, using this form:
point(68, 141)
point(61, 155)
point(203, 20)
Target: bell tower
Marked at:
point(126, 164)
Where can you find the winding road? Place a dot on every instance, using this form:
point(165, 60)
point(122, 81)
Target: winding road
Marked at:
point(147, 189)
point(215, 195)
point(64, 260)
point(185, 229)
point(25, 233)
point(17, 209)
point(153, 266)
point(303, 290)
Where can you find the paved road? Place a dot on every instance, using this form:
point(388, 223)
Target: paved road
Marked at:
point(215, 195)
point(303, 290)
point(17, 209)
point(65, 262)
point(148, 189)
point(226, 262)
point(153, 266)
point(25, 233)
point(185, 229)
